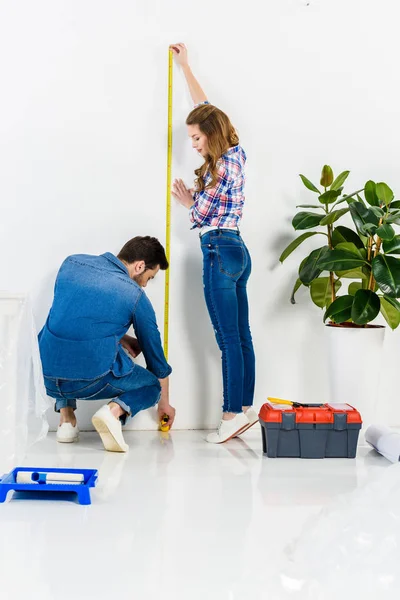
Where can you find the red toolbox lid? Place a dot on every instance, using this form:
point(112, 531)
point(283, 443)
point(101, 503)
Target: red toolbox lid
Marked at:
point(323, 413)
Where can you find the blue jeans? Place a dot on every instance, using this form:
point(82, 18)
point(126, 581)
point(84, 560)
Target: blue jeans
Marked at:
point(227, 267)
point(134, 392)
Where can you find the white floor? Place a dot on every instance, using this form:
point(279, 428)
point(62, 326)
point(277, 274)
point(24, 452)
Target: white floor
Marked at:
point(176, 518)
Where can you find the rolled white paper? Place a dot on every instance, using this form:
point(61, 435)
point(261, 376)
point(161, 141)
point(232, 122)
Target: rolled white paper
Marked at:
point(385, 441)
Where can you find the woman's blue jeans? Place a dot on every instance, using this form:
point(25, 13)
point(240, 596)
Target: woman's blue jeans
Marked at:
point(227, 267)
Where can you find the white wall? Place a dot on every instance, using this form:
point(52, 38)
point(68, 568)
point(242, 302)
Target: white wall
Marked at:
point(83, 153)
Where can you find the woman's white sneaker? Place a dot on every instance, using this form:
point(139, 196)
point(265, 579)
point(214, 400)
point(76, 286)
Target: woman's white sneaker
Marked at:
point(67, 433)
point(110, 430)
point(252, 416)
point(228, 429)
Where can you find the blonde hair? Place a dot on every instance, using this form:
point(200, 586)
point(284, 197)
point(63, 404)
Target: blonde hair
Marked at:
point(221, 135)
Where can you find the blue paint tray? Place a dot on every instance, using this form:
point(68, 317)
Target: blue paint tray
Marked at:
point(9, 483)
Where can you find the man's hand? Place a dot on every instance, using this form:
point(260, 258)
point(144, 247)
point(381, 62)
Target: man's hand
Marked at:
point(180, 54)
point(131, 344)
point(166, 409)
point(182, 194)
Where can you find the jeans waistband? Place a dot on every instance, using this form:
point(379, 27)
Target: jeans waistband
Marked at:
point(220, 231)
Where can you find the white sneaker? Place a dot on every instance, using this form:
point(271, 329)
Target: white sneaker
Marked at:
point(228, 429)
point(252, 416)
point(67, 433)
point(110, 430)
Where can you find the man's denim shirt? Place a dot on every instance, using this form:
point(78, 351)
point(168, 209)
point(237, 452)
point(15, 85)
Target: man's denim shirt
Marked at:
point(95, 303)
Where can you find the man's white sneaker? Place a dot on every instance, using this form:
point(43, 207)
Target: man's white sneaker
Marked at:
point(67, 433)
point(252, 416)
point(110, 430)
point(228, 429)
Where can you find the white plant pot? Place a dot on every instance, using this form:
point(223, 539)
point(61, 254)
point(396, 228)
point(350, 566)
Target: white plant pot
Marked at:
point(354, 367)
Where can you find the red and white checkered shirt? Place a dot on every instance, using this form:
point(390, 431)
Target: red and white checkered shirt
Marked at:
point(222, 205)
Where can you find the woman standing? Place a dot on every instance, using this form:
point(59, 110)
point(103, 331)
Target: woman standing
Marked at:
point(215, 208)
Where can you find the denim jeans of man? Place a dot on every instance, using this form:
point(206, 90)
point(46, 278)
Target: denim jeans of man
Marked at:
point(227, 267)
point(134, 392)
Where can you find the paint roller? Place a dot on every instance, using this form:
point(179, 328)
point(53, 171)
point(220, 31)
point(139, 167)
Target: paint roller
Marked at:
point(51, 478)
point(385, 441)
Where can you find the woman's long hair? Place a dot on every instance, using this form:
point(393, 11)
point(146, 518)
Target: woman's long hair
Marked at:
point(221, 135)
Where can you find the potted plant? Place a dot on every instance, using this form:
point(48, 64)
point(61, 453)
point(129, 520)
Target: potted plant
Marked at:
point(363, 256)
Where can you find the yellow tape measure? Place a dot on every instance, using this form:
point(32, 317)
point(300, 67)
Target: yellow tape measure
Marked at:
point(168, 214)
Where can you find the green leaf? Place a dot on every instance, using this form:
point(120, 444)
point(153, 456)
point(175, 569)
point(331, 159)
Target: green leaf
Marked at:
point(395, 303)
point(359, 214)
point(366, 307)
point(394, 217)
point(362, 216)
point(370, 228)
point(354, 287)
point(309, 185)
point(329, 197)
point(344, 234)
point(326, 176)
point(349, 198)
point(395, 204)
point(386, 232)
point(384, 193)
point(293, 245)
point(310, 269)
point(353, 274)
point(340, 179)
point(340, 310)
point(333, 216)
point(370, 193)
point(340, 260)
point(320, 291)
point(392, 246)
point(308, 206)
point(306, 220)
point(350, 247)
point(297, 285)
point(390, 313)
point(377, 211)
point(386, 270)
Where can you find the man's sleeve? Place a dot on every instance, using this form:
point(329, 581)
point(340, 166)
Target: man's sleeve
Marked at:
point(148, 335)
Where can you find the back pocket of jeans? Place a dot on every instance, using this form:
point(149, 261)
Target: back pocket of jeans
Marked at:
point(231, 260)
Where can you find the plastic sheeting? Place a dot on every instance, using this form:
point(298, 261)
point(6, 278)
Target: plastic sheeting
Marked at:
point(23, 400)
point(350, 550)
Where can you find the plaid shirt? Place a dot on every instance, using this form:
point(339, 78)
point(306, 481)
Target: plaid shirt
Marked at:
point(222, 205)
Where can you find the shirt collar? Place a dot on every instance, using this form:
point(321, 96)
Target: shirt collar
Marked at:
point(232, 150)
point(109, 256)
